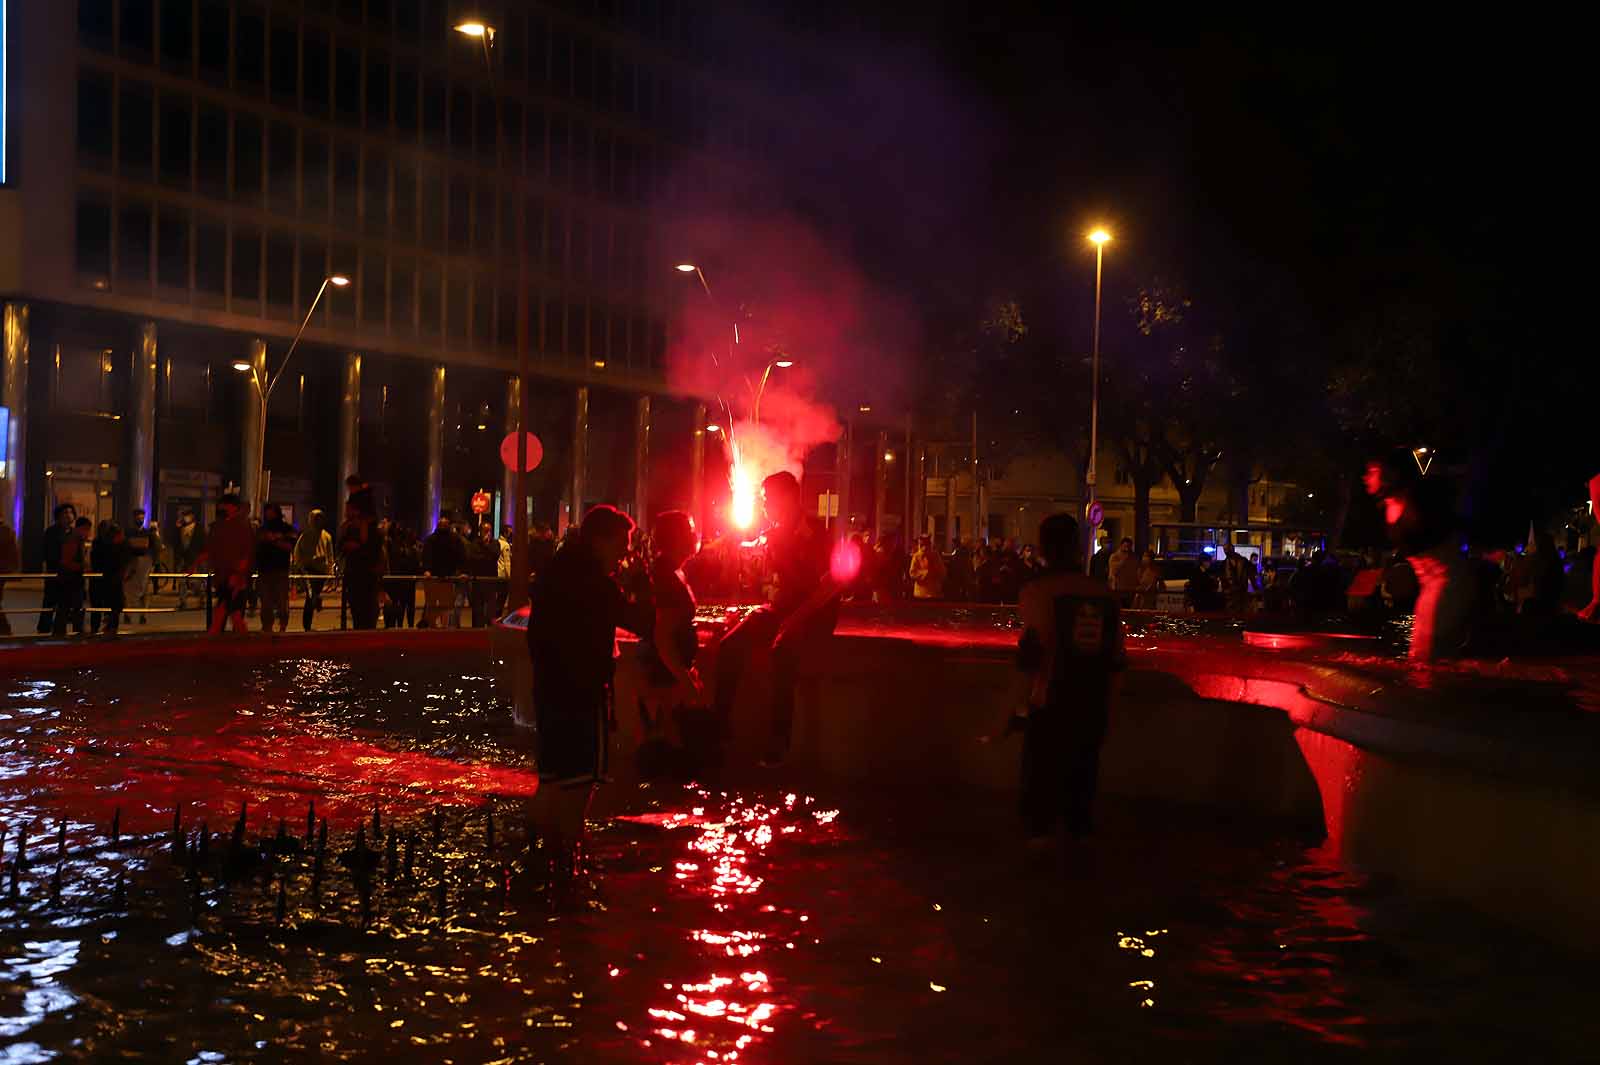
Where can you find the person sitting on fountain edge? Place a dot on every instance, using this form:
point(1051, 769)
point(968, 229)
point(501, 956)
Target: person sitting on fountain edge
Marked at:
point(803, 611)
point(1069, 654)
point(577, 607)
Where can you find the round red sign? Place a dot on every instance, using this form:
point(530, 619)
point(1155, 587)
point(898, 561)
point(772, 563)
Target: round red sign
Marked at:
point(481, 501)
point(508, 452)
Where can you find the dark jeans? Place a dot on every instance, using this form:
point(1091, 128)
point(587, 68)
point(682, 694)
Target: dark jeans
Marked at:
point(1061, 766)
point(755, 633)
point(47, 603)
point(401, 611)
point(313, 590)
point(69, 604)
point(108, 596)
point(487, 596)
point(361, 596)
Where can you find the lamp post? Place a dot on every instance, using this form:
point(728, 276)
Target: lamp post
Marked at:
point(264, 389)
point(476, 27)
point(1098, 237)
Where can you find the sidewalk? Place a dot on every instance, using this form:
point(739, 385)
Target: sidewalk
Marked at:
point(164, 618)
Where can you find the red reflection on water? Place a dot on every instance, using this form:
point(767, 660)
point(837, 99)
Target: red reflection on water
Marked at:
point(145, 759)
point(720, 1015)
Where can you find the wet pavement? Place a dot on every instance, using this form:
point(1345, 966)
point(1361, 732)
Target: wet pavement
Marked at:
point(765, 920)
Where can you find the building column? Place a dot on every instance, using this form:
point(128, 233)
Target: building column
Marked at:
point(641, 461)
point(433, 487)
point(697, 469)
point(255, 442)
point(841, 476)
point(508, 482)
point(14, 398)
point(580, 454)
point(917, 510)
point(349, 425)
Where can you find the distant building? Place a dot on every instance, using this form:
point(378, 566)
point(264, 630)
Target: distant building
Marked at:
point(180, 180)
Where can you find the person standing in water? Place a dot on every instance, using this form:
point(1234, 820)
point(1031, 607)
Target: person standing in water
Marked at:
point(1069, 656)
point(577, 607)
point(672, 698)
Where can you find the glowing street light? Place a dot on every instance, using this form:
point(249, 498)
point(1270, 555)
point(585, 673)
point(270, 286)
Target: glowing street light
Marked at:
point(473, 29)
point(1099, 237)
point(687, 268)
point(338, 281)
point(242, 366)
point(784, 364)
point(713, 428)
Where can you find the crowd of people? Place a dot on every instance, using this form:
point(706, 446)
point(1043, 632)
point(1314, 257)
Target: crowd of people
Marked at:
point(99, 578)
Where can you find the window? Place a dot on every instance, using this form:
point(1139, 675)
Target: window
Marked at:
point(405, 200)
point(93, 243)
point(83, 379)
point(138, 30)
point(246, 282)
point(484, 229)
point(460, 214)
point(583, 69)
point(581, 178)
point(247, 159)
point(94, 120)
point(554, 322)
point(314, 175)
point(604, 79)
point(457, 311)
point(350, 11)
point(513, 126)
point(560, 63)
point(346, 187)
point(408, 20)
point(283, 191)
point(483, 311)
point(559, 152)
point(313, 270)
point(315, 85)
point(378, 92)
point(280, 271)
point(578, 246)
point(213, 41)
point(210, 260)
point(375, 194)
point(172, 249)
point(538, 52)
point(506, 318)
point(428, 290)
point(533, 220)
point(187, 386)
point(95, 24)
point(347, 83)
point(538, 161)
point(600, 252)
point(285, 62)
point(433, 112)
point(342, 301)
point(133, 244)
point(176, 140)
point(622, 171)
point(135, 123)
point(403, 296)
point(177, 35)
point(405, 101)
point(556, 241)
point(250, 50)
point(374, 285)
point(432, 209)
point(602, 163)
point(488, 134)
point(461, 120)
point(211, 155)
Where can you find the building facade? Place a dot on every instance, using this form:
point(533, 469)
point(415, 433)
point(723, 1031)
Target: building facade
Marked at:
point(183, 177)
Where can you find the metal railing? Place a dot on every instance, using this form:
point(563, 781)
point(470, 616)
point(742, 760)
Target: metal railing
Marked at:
point(443, 607)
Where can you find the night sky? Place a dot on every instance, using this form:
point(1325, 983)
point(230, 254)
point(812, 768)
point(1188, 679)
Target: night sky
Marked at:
point(1334, 188)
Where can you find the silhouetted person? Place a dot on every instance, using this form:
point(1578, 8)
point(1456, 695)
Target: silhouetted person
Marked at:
point(72, 564)
point(1069, 655)
point(361, 545)
point(313, 556)
point(230, 548)
point(577, 608)
point(109, 559)
point(802, 614)
point(275, 541)
point(50, 554)
point(444, 556)
point(10, 562)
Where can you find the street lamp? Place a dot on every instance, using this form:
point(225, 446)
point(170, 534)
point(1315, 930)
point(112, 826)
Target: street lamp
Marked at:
point(264, 389)
point(476, 27)
point(1098, 237)
point(781, 364)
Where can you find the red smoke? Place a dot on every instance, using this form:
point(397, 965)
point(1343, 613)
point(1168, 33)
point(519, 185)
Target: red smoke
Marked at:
point(786, 294)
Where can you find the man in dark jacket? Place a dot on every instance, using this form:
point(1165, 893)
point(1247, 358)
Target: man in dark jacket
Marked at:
point(572, 638)
point(444, 556)
point(54, 537)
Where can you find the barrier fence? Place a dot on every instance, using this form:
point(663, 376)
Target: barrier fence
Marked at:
point(417, 597)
